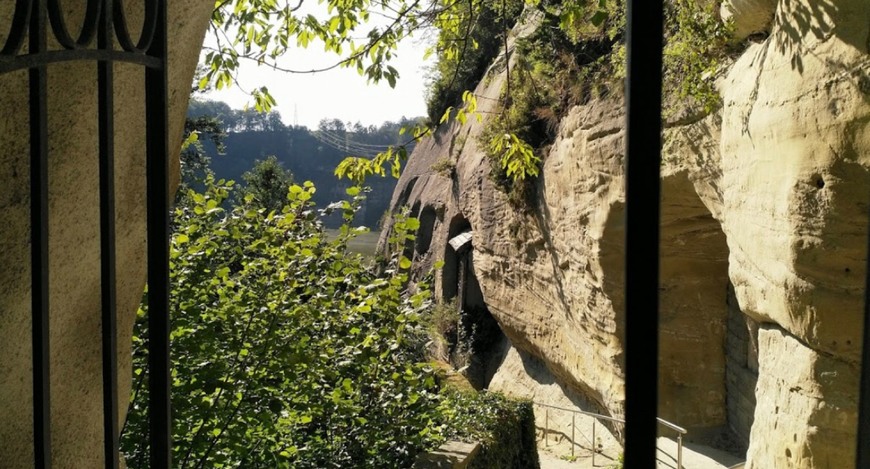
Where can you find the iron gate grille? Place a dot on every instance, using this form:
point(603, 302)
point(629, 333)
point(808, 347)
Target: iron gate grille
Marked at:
point(105, 22)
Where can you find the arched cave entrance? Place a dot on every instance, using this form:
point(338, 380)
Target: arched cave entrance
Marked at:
point(699, 385)
point(450, 272)
point(479, 338)
point(427, 226)
point(706, 375)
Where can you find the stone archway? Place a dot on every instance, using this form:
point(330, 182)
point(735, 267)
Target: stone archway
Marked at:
point(706, 380)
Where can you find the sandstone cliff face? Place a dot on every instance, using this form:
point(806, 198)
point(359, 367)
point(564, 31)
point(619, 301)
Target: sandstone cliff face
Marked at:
point(74, 236)
point(764, 219)
point(795, 185)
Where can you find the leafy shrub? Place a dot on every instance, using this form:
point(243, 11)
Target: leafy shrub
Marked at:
point(266, 183)
point(444, 167)
point(505, 428)
point(443, 325)
point(287, 352)
point(697, 42)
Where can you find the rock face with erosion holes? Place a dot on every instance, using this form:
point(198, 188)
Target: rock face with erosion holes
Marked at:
point(763, 238)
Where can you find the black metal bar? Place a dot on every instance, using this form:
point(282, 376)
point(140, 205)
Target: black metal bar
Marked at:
point(105, 84)
point(149, 27)
point(61, 32)
point(642, 187)
point(18, 31)
point(39, 246)
point(24, 62)
point(157, 170)
point(862, 458)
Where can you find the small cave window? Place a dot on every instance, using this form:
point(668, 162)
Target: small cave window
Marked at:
point(427, 226)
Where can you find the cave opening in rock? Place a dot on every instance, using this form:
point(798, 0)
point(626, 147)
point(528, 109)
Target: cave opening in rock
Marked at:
point(706, 382)
point(450, 272)
point(741, 374)
point(479, 340)
point(427, 226)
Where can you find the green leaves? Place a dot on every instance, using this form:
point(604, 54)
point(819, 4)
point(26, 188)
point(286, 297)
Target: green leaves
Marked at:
point(262, 31)
point(358, 169)
point(287, 350)
point(517, 157)
point(461, 114)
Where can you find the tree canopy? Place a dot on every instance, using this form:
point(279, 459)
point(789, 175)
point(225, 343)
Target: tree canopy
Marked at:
point(266, 184)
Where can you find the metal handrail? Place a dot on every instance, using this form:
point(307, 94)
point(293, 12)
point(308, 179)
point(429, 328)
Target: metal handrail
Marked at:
point(583, 412)
point(672, 426)
point(680, 430)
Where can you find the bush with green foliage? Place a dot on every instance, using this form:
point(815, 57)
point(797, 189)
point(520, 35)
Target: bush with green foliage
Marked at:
point(504, 427)
point(470, 36)
point(287, 351)
point(697, 43)
point(266, 184)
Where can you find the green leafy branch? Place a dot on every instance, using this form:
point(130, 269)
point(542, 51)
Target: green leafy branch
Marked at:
point(517, 158)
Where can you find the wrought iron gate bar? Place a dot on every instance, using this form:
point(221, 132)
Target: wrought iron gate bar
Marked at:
point(23, 62)
point(148, 30)
point(18, 30)
point(104, 20)
point(157, 174)
point(109, 330)
point(642, 193)
point(61, 32)
point(41, 355)
point(862, 458)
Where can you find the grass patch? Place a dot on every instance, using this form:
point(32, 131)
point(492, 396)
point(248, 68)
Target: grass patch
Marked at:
point(364, 243)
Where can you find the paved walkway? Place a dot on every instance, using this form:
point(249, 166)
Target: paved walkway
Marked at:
point(694, 457)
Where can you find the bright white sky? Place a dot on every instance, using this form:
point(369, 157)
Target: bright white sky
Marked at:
point(339, 93)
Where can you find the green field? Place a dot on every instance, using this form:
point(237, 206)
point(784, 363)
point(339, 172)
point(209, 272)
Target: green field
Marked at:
point(364, 243)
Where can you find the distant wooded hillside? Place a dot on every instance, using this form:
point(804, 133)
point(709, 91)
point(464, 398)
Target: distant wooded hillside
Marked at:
point(311, 155)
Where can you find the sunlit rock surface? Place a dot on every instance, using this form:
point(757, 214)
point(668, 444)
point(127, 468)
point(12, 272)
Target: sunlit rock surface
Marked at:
point(763, 238)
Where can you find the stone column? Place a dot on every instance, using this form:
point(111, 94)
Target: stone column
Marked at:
point(74, 256)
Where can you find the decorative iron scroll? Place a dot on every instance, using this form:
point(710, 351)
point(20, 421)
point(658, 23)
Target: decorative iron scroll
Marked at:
point(104, 24)
point(78, 45)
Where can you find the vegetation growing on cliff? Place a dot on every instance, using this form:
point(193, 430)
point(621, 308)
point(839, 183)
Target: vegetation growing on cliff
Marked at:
point(576, 50)
point(697, 44)
point(469, 39)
